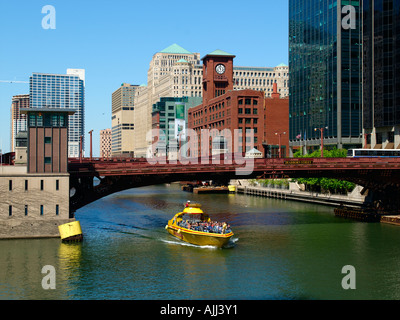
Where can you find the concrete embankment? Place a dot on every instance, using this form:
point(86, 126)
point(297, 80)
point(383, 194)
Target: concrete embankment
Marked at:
point(294, 192)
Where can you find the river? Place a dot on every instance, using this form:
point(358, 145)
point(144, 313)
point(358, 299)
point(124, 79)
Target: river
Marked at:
point(281, 250)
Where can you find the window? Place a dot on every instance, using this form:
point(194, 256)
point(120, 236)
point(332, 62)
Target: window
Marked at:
point(41, 184)
point(248, 101)
point(10, 185)
point(240, 110)
point(47, 140)
point(255, 111)
point(57, 184)
point(10, 211)
point(57, 209)
point(26, 185)
point(47, 160)
point(41, 209)
point(247, 111)
point(26, 210)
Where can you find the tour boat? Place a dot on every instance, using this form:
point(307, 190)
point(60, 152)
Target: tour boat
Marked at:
point(192, 214)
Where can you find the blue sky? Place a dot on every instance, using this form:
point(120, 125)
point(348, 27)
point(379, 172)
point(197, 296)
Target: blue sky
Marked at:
point(114, 41)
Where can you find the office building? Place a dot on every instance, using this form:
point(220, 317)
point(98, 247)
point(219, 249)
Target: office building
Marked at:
point(18, 120)
point(170, 117)
point(381, 74)
point(62, 91)
point(325, 74)
point(105, 143)
point(243, 111)
point(123, 120)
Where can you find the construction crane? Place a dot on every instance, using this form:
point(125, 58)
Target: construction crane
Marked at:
point(12, 81)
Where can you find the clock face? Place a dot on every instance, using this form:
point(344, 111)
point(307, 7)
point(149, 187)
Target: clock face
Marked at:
point(220, 69)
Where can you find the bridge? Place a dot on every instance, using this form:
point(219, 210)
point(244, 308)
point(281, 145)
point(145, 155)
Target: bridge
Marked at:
point(380, 176)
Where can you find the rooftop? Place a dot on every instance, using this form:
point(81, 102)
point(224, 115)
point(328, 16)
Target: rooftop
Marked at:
point(175, 48)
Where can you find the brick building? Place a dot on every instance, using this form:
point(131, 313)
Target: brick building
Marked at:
point(241, 110)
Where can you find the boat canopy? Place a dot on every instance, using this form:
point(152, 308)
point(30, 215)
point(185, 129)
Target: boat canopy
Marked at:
point(193, 210)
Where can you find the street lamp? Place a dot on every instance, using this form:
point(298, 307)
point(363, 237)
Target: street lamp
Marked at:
point(322, 139)
point(280, 134)
point(90, 132)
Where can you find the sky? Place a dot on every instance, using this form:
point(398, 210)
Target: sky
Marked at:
point(114, 41)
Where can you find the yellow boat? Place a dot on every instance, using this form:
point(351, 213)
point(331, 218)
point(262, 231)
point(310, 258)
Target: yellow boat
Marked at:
point(179, 228)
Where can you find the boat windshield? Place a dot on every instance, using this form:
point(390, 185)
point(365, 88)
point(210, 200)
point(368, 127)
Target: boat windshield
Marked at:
point(192, 217)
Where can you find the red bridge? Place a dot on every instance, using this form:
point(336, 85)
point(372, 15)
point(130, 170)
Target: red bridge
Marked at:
point(381, 176)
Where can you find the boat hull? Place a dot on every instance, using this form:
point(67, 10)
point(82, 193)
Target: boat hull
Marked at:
point(200, 238)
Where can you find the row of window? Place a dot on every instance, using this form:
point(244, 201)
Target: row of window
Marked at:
point(26, 209)
point(10, 184)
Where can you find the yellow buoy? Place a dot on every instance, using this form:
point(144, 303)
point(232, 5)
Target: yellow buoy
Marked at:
point(71, 231)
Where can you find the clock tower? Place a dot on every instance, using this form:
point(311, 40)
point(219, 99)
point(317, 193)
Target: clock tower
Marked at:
point(217, 74)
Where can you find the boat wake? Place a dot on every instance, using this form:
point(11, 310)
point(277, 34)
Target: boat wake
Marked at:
point(181, 243)
point(230, 244)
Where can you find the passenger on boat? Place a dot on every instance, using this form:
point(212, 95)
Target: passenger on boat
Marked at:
point(206, 226)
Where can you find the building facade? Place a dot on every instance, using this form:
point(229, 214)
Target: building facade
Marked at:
point(381, 74)
point(169, 118)
point(18, 120)
point(238, 120)
point(123, 120)
point(62, 91)
point(105, 143)
point(325, 74)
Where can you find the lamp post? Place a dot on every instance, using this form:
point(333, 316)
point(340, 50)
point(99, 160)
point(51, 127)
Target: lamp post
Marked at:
point(279, 135)
point(322, 139)
point(90, 132)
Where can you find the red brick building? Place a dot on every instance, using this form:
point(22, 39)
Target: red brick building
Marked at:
point(243, 110)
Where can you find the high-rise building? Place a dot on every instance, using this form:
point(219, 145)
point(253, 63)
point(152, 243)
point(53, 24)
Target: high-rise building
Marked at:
point(325, 61)
point(123, 120)
point(62, 91)
point(105, 143)
point(381, 74)
point(18, 120)
point(176, 72)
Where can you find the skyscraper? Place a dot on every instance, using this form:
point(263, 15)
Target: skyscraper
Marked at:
point(62, 91)
point(123, 120)
point(325, 71)
point(381, 74)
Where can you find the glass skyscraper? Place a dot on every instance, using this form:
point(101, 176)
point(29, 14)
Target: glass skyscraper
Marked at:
point(325, 74)
point(381, 80)
point(62, 91)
